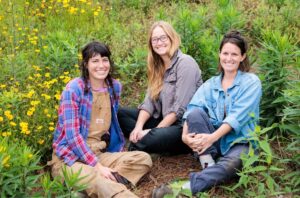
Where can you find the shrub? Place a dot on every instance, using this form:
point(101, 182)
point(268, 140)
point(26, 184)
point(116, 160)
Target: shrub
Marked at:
point(18, 169)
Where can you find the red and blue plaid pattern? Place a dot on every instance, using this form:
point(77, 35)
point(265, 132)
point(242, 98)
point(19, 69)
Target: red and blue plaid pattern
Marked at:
point(73, 125)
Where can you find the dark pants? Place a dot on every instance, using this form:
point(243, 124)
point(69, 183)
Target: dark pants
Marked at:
point(226, 167)
point(157, 140)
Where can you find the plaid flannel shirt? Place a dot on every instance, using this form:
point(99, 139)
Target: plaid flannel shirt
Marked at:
point(73, 125)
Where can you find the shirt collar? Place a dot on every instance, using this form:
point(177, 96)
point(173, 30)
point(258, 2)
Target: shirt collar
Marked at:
point(174, 58)
point(217, 83)
point(90, 87)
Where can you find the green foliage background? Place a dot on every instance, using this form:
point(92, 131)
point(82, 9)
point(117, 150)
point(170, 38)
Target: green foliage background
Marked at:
point(40, 44)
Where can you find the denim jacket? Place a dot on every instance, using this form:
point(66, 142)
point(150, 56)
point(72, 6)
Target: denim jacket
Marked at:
point(241, 101)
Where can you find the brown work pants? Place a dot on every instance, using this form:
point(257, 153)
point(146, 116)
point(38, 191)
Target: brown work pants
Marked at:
point(131, 165)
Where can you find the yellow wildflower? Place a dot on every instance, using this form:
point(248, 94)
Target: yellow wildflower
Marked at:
point(79, 56)
point(67, 79)
point(24, 128)
point(5, 160)
point(35, 102)
point(37, 68)
point(57, 96)
point(2, 149)
point(29, 156)
point(1, 119)
point(41, 141)
point(51, 128)
point(12, 124)
point(47, 97)
point(6, 134)
point(30, 94)
point(8, 115)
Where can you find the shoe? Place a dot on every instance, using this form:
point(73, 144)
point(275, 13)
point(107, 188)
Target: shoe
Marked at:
point(122, 180)
point(161, 191)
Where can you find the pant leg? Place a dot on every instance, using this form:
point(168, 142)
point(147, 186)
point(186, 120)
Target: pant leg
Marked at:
point(224, 170)
point(162, 140)
point(198, 122)
point(131, 165)
point(97, 186)
point(128, 117)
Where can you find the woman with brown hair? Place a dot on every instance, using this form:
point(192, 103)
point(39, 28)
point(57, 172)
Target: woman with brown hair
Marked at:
point(221, 118)
point(173, 78)
point(88, 139)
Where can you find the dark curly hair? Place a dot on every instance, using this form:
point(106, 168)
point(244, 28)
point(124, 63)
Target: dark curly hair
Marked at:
point(236, 38)
point(90, 50)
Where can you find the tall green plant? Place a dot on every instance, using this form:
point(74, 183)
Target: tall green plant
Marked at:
point(18, 169)
point(69, 187)
point(290, 123)
point(275, 57)
point(257, 178)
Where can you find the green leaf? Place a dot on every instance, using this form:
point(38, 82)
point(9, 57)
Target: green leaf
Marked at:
point(274, 168)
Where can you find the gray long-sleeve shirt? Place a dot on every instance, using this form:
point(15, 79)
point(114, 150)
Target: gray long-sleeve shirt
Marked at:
point(181, 80)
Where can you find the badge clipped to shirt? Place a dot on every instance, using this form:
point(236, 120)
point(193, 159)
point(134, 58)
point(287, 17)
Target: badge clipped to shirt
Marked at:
point(99, 121)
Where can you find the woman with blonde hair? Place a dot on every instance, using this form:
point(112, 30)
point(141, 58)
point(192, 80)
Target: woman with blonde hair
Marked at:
point(173, 78)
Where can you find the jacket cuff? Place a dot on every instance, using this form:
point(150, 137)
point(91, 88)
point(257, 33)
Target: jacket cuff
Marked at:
point(233, 123)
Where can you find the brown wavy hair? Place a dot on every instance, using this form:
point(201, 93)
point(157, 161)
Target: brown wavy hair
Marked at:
point(90, 50)
point(155, 64)
point(236, 38)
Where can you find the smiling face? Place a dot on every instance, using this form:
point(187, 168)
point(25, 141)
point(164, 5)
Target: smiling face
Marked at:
point(160, 42)
point(98, 68)
point(231, 57)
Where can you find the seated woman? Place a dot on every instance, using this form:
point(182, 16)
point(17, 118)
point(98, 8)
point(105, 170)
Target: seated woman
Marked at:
point(220, 117)
point(173, 78)
point(88, 137)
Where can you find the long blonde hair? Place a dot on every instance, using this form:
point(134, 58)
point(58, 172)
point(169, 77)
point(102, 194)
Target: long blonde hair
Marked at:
point(155, 64)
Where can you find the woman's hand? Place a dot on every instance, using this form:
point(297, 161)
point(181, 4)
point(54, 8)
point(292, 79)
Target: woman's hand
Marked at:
point(188, 139)
point(134, 134)
point(105, 172)
point(202, 142)
point(142, 133)
point(137, 134)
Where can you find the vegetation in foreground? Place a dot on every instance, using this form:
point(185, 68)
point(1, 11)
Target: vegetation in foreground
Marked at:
point(39, 53)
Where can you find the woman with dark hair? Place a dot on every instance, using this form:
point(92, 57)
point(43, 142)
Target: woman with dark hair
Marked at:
point(173, 78)
point(88, 138)
point(221, 116)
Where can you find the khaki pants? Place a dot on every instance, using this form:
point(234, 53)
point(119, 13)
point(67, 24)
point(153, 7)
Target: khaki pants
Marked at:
point(131, 165)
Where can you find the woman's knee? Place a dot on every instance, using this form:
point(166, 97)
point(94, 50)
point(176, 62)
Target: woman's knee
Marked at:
point(141, 157)
point(196, 115)
point(196, 120)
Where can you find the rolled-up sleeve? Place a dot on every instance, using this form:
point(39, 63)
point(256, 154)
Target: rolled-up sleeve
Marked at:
point(147, 105)
point(188, 80)
point(242, 111)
